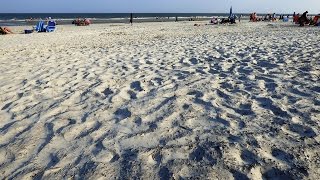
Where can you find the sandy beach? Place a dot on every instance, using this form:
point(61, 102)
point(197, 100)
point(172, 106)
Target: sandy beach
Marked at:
point(161, 101)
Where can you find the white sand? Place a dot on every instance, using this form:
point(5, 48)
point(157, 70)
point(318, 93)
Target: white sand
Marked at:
point(161, 100)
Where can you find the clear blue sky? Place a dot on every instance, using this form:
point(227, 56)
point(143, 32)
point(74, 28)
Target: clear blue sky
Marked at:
point(187, 6)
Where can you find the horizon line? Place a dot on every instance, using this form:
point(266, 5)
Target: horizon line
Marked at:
point(144, 12)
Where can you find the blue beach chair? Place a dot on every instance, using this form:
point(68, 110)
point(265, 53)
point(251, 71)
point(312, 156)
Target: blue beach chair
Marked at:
point(40, 27)
point(51, 26)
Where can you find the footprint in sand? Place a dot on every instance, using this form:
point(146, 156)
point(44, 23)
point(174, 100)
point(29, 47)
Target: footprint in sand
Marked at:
point(156, 81)
point(268, 104)
point(194, 61)
point(129, 164)
point(132, 94)
point(207, 153)
point(275, 173)
point(122, 113)
point(164, 173)
point(302, 131)
point(136, 85)
point(195, 93)
point(155, 157)
point(107, 92)
point(248, 157)
point(244, 109)
point(198, 99)
point(238, 175)
point(282, 155)
point(181, 75)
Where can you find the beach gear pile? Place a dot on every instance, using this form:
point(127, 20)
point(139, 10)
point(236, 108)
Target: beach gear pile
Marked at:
point(41, 27)
point(305, 20)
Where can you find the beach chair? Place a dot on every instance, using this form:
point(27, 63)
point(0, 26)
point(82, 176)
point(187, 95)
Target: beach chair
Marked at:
point(316, 20)
point(51, 26)
point(39, 27)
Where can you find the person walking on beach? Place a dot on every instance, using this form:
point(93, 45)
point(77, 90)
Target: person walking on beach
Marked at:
point(131, 19)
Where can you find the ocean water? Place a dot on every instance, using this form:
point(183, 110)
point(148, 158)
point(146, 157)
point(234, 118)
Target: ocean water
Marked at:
point(12, 19)
point(23, 16)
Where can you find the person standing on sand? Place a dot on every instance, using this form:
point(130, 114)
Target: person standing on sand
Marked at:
point(274, 17)
point(131, 19)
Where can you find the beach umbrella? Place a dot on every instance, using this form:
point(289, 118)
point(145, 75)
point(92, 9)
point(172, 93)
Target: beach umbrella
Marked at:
point(230, 12)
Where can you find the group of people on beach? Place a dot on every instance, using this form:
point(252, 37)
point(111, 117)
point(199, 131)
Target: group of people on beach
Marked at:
point(81, 22)
point(215, 21)
point(297, 19)
point(268, 17)
point(6, 30)
point(302, 20)
point(305, 20)
point(254, 17)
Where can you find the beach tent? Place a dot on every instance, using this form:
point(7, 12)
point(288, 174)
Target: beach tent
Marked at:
point(316, 20)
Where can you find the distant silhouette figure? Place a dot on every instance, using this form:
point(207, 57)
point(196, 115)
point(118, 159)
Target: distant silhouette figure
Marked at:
point(131, 19)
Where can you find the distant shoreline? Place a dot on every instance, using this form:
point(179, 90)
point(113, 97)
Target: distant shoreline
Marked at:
point(26, 19)
point(105, 21)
